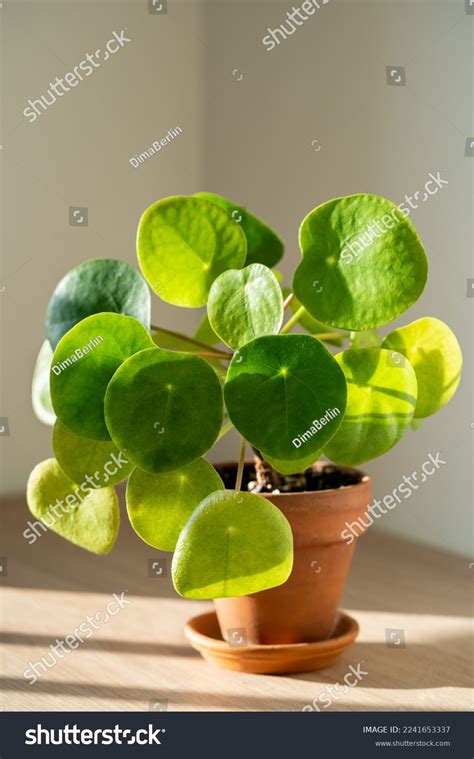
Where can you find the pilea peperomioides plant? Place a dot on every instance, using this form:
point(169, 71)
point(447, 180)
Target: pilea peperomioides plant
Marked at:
point(131, 400)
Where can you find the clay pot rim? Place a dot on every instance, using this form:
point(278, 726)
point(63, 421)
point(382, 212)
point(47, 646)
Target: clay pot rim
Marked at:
point(364, 480)
point(340, 639)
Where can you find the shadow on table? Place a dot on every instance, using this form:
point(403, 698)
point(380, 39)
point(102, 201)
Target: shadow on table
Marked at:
point(104, 644)
point(146, 696)
point(400, 668)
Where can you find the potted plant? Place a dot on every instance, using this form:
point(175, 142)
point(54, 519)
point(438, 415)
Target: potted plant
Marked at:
point(130, 400)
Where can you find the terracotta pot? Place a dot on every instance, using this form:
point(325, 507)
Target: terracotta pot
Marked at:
point(304, 609)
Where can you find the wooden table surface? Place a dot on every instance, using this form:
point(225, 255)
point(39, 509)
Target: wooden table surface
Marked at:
point(140, 657)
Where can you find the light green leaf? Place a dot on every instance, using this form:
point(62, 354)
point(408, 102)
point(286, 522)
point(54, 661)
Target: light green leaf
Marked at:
point(40, 392)
point(263, 245)
point(232, 545)
point(286, 394)
point(94, 287)
point(292, 467)
point(86, 460)
point(159, 505)
point(434, 353)
point(86, 517)
point(164, 409)
point(83, 364)
point(183, 244)
point(363, 263)
point(381, 400)
point(245, 304)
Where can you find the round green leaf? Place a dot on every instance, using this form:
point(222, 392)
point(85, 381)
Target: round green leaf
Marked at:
point(292, 467)
point(286, 394)
point(40, 392)
point(381, 400)
point(83, 364)
point(88, 518)
point(434, 353)
point(244, 304)
point(164, 409)
point(183, 244)
point(263, 245)
point(94, 287)
point(159, 505)
point(363, 263)
point(232, 545)
point(96, 462)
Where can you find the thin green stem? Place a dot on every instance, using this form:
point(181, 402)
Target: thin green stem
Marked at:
point(191, 340)
point(224, 430)
point(294, 320)
point(240, 468)
point(329, 335)
point(209, 354)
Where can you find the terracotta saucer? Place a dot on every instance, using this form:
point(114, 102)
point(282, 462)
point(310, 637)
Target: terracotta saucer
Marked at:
point(204, 635)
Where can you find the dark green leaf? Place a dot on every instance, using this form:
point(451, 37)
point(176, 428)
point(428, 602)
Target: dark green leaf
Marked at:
point(286, 394)
point(83, 364)
point(94, 287)
point(164, 409)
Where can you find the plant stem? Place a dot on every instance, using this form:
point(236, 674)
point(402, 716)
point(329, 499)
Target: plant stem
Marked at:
point(294, 320)
point(288, 300)
point(224, 430)
point(240, 468)
point(328, 335)
point(191, 340)
point(205, 354)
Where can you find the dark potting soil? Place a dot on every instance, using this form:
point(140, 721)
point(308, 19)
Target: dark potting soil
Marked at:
point(260, 478)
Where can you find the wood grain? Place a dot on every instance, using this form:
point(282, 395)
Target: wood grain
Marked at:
point(141, 657)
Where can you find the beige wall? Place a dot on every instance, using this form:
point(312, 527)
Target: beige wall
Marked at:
point(327, 82)
point(252, 139)
point(76, 154)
